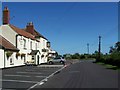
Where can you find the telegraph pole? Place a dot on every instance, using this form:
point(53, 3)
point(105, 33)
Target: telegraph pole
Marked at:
point(99, 48)
point(88, 48)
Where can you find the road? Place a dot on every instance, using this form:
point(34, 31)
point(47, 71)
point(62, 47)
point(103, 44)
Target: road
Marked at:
point(26, 76)
point(84, 74)
point(79, 74)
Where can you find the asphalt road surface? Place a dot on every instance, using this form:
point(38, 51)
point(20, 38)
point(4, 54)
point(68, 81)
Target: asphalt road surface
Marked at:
point(26, 76)
point(84, 74)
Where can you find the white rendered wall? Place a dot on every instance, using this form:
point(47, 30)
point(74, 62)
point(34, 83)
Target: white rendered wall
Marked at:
point(43, 45)
point(1, 58)
point(9, 34)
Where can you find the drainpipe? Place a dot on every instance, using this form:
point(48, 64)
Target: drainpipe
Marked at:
point(4, 59)
point(16, 40)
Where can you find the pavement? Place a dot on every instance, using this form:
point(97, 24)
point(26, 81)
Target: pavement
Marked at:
point(83, 74)
point(27, 76)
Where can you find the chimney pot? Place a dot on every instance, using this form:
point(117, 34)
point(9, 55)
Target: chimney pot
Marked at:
point(30, 27)
point(6, 16)
point(31, 23)
point(6, 8)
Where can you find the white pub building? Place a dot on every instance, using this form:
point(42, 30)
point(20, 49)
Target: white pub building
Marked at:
point(19, 46)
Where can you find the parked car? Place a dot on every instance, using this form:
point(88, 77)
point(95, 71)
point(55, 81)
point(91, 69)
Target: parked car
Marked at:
point(56, 60)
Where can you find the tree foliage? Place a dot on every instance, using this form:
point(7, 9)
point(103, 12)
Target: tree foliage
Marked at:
point(113, 57)
point(77, 56)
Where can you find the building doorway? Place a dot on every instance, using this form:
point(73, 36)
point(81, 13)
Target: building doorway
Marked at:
point(38, 59)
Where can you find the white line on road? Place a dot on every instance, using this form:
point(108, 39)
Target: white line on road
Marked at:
point(29, 72)
point(16, 75)
point(46, 79)
point(9, 75)
point(50, 66)
point(18, 81)
point(41, 76)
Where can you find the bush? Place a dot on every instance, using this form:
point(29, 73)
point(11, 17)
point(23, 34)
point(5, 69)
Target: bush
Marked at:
point(113, 59)
point(82, 57)
point(75, 56)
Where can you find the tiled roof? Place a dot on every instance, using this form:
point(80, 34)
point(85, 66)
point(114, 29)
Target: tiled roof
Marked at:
point(22, 32)
point(6, 44)
point(38, 34)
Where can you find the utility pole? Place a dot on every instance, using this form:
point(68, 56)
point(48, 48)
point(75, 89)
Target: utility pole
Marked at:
point(99, 47)
point(88, 48)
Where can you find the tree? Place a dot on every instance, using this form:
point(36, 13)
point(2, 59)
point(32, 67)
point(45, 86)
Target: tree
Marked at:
point(67, 56)
point(76, 56)
point(112, 49)
point(115, 54)
point(97, 57)
point(58, 56)
point(82, 56)
point(116, 48)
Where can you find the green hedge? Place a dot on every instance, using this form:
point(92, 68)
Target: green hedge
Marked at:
point(113, 59)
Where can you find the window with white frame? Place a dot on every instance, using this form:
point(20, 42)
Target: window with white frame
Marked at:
point(24, 43)
point(44, 43)
point(31, 45)
point(36, 46)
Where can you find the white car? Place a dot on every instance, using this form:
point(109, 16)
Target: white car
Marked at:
point(57, 60)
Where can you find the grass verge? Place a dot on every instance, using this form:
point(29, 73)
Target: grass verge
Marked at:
point(108, 66)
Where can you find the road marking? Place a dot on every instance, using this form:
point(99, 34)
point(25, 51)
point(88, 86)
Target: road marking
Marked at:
point(17, 75)
point(45, 66)
point(40, 76)
point(29, 72)
point(23, 76)
point(19, 81)
point(41, 83)
point(46, 70)
point(46, 79)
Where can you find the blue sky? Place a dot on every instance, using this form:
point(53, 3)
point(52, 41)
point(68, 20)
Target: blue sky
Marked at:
point(70, 26)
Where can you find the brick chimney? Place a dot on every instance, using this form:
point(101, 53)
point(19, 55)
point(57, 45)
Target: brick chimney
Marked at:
point(30, 28)
point(6, 16)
